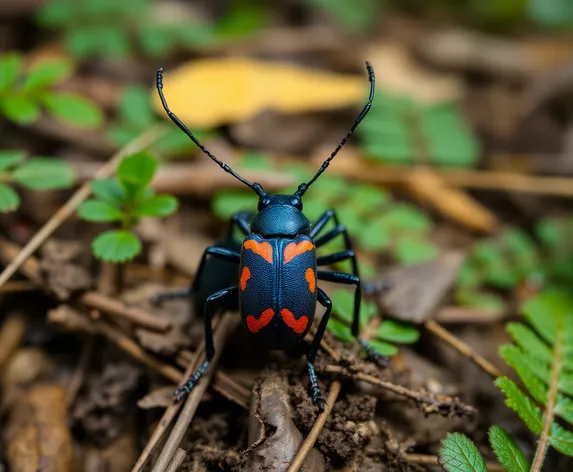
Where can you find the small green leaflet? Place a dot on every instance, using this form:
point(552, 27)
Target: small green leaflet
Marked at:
point(41, 173)
point(11, 158)
point(73, 109)
point(521, 404)
point(157, 205)
point(99, 211)
point(109, 191)
point(45, 73)
point(459, 454)
point(9, 200)
point(116, 246)
point(137, 170)
point(507, 451)
point(394, 331)
point(20, 109)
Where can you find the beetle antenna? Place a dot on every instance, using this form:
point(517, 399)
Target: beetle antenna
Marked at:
point(304, 186)
point(159, 83)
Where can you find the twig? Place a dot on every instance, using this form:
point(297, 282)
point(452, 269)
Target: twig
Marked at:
point(178, 459)
point(19, 286)
point(441, 404)
point(228, 324)
point(77, 198)
point(12, 334)
point(463, 348)
point(308, 443)
point(543, 443)
point(115, 307)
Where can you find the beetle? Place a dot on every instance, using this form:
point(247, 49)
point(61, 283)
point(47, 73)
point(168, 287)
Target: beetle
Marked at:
point(277, 266)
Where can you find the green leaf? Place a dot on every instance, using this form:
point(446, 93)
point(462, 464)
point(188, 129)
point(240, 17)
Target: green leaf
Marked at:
point(403, 219)
point(394, 331)
point(521, 404)
point(10, 158)
point(10, 67)
point(73, 109)
point(343, 306)
point(45, 73)
point(9, 200)
point(545, 310)
point(242, 20)
point(357, 17)
point(561, 439)
point(480, 299)
point(226, 203)
point(551, 13)
point(459, 454)
point(526, 338)
point(411, 251)
point(19, 109)
point(382, 348)
point(157, 205)
point(136, 171)
point(374, 237)
point(116, 246)
point(507, 451)
point(43, 173)
point(533, 373)
point(99, 211)
point(339, 330)
point(135, 107)
point(109, 191)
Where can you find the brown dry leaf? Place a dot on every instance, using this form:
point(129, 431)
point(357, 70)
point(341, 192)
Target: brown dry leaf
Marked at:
point(455, 204)
point(159, 398)
point(401, 75)
point(38, 435)
point(210, 92)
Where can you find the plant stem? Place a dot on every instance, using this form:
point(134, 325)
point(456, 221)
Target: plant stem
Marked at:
point(543, 443)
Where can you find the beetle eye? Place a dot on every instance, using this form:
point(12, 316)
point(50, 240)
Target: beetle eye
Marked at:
point(263, 202)
point(297, 203)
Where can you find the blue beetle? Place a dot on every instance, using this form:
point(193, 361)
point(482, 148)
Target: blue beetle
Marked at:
point(277, 273)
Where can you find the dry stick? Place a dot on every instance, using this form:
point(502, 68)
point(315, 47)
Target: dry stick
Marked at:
point(543, 443)
point(308, 443)
point(228, 324)
point(12, 334)
point(419, 396)
point(115, 307)
point(427, 459)
point(178, 459)
point(77, 198)
point(463, 348)
point(19, 286)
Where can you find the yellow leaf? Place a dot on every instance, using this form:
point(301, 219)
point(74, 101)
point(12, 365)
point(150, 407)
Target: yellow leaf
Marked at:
point(211, 92)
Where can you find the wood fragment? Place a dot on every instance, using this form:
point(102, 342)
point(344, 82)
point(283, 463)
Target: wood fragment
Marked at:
point(227, 326)
point(463, 348)
point(144, 140)
point(316, 428)
point(177, 460)
point(38, 436)
point(12, 334)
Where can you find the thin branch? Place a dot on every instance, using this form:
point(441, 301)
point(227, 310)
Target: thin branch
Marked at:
point(548, 414)
point(115, 307)
point(308, 443)
point(228, 324)
point(147, 138)
point(178, 459)
point(463, 348)
point(431, 403)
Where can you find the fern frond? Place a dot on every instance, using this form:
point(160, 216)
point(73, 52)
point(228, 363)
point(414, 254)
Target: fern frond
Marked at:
point(519, 402)
point(507, 451)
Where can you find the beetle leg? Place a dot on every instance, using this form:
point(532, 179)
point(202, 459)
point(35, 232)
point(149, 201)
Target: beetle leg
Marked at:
point(317, 397)
point(241, 221)
point(322, 221)
point(351, 279)
point(215, 251)
point(338, 257)
point(184, 389)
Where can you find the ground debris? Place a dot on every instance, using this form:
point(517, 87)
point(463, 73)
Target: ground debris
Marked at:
point(102, 409)
point(37, 436)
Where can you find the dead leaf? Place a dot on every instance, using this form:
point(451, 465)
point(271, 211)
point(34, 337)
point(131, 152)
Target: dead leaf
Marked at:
point(401, 75)
point(453, 203)
point(38, 435)
point(415, 291)
point(273, 437)
point(158, 398)
point(210, 92)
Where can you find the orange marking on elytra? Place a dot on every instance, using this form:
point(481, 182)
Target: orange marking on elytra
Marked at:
point(263, 249)
point(292, 249)
point(245, 276)
point(254, 325)
point(298, 326)
point(311, 279)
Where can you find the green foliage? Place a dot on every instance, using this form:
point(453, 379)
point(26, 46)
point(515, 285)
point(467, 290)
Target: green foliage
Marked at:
point(395, 125)
point(108, 28)
point(551, 13)
point(459, 454)
point(37, 173)
point(357, 17)
point(387, 334)
point(514, 257)
point(134, 115)
point(23, 93)
point(125, 200)
point(542, 357)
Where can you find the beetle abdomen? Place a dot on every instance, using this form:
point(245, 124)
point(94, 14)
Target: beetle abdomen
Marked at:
point(277, 289)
